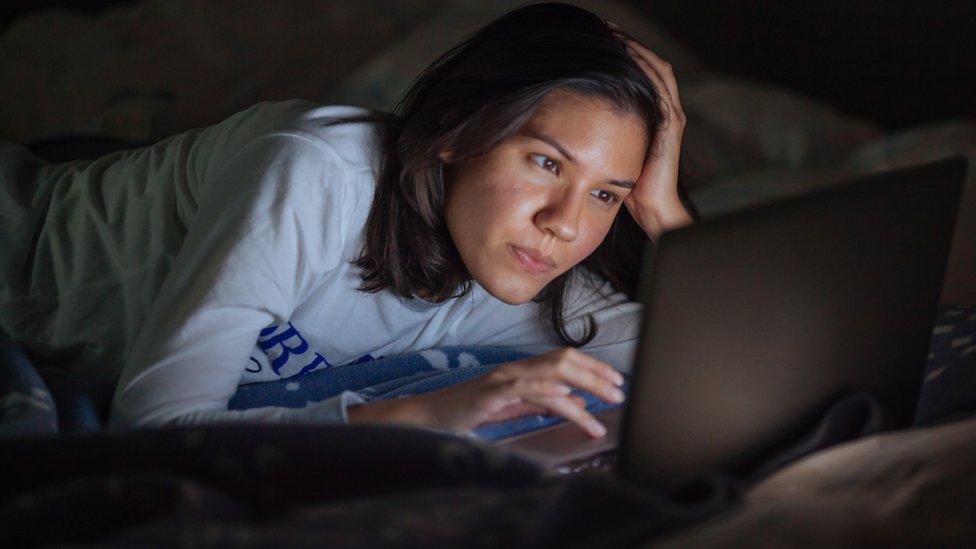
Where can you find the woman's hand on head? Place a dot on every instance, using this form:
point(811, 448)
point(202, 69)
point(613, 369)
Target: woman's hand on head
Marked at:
point(654, 201)
point(539, 384)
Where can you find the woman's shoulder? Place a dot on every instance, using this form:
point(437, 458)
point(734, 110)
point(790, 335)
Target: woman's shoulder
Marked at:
point(351, 133)
point(313, 142)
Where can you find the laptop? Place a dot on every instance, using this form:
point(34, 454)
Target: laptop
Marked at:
point(756, 320)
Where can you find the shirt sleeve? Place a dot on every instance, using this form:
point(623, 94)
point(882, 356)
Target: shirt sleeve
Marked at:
point(589, 298)
point(269, 225)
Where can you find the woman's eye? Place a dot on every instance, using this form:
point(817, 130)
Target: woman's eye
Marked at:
point(547, 163)
point(606, 197)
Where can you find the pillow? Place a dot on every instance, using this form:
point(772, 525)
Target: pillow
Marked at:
point(737, 126)
point(915, 146)
point(760, 186)
point(926, 144)
point(380, 82)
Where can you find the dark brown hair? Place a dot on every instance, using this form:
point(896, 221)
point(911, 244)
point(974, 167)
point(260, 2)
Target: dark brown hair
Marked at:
point(470, 99)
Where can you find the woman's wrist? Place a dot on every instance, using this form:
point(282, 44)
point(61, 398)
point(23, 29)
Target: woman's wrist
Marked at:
point(664, 216)
point(407, 410)
point(675, 215)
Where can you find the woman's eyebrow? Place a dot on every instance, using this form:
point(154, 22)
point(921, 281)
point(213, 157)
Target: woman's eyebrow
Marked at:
point(550, 140)
point(562, 150)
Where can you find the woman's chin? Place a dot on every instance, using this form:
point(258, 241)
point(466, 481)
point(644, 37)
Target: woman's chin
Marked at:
point(510, 291)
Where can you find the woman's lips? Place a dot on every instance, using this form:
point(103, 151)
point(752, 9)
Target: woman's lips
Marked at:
point(530, 264)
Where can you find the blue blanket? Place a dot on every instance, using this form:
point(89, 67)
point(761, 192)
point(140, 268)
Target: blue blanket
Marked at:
point(403, 375)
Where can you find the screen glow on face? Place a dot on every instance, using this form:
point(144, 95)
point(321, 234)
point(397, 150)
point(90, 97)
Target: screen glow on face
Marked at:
point(545, 196)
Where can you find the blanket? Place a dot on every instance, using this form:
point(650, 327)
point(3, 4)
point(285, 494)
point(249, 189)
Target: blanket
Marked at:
point(399, 376)
point(258, 485)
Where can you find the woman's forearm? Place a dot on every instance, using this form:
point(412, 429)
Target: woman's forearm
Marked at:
point(406, 410)
point(666, 215)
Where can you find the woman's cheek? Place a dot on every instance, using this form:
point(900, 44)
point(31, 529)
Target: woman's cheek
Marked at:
point(591, 247)
point(591, 236)
point(518, 195)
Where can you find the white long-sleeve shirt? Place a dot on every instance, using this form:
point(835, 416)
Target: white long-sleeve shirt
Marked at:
point(222, 256)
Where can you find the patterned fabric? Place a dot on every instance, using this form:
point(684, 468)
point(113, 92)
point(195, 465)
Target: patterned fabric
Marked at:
point(399, 376)
point(949, 388)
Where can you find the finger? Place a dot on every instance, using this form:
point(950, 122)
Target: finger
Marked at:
point(664, 69)
point(575, 368)
point(663, 90)
point(509, 389)
point(517, 410)
point(530, 367)
point(566, 408)
point(646, 52)
point(525, 380)
point(525, 390)
point(585, 377)
point(534, 384)
point(599, 367)
point(671, 109)
point(525, 408)
point(620, 35)
point(616, 29)
point(549, 388)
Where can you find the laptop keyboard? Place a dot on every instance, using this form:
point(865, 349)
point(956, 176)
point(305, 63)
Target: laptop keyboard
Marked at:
point(600, 463)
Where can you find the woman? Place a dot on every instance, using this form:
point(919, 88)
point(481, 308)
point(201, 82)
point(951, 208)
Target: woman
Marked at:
point(497, 207)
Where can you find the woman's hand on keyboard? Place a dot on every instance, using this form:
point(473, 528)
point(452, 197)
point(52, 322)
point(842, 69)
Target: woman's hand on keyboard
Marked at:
point(539, 384)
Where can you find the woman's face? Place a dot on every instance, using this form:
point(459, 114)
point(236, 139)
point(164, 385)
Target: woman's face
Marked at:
point(543, 199)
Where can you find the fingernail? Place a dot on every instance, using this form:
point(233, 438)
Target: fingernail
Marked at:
point(565, 390)
point(618, 395)
point(619, 378)
point(597, 428)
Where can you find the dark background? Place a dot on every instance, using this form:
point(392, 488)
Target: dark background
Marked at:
point(897, 62)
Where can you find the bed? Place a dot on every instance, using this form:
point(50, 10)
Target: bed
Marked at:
point(253, 484)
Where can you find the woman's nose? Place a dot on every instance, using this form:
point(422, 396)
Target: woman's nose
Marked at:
point(561, 214)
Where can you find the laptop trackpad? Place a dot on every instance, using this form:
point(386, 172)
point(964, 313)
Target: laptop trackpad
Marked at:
point(565, 442)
